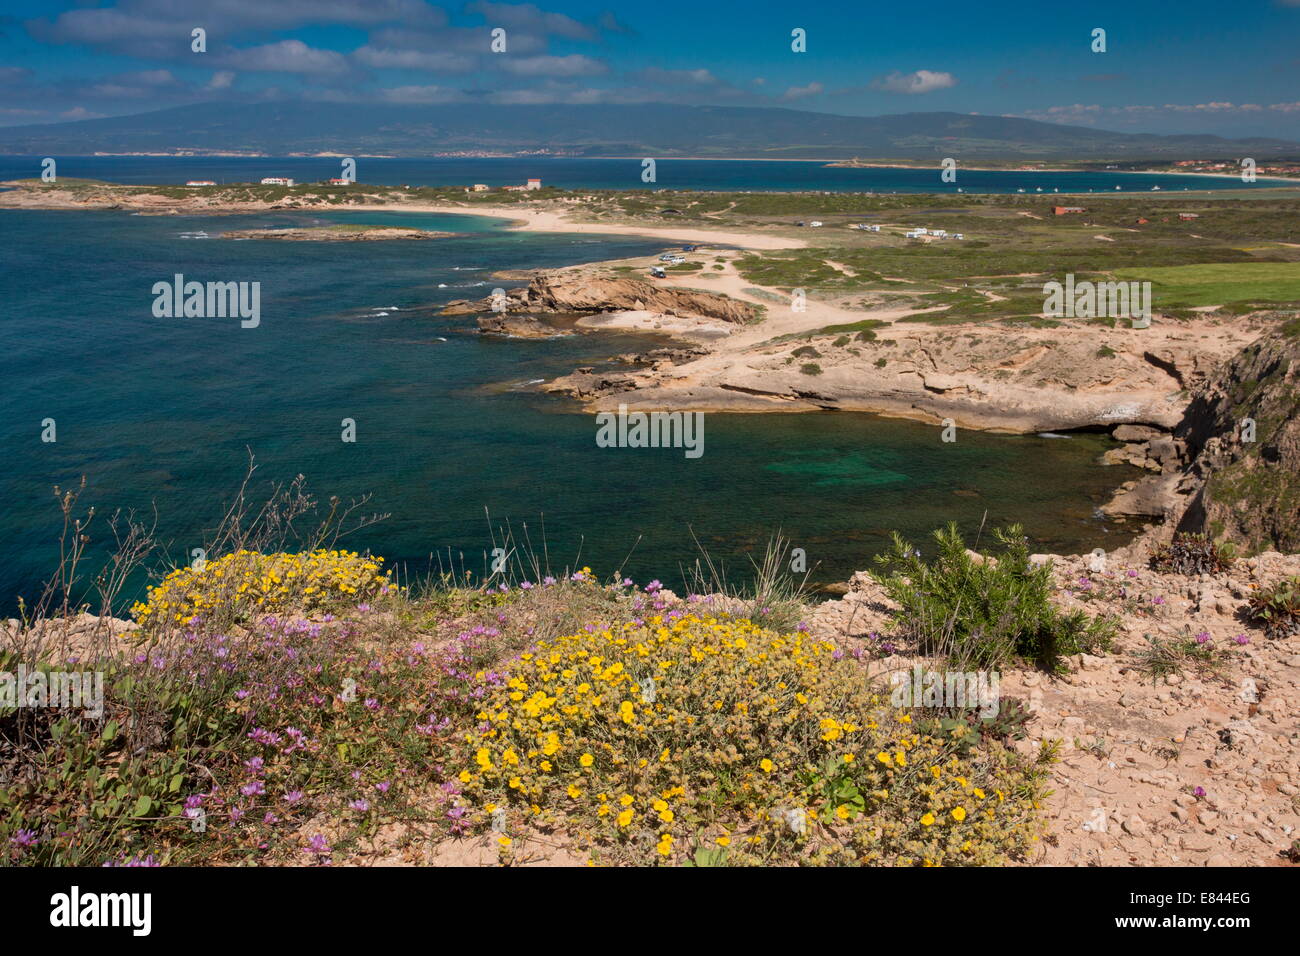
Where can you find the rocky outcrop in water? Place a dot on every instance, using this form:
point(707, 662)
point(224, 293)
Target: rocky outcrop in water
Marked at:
point(575, 292)
point(516, 326)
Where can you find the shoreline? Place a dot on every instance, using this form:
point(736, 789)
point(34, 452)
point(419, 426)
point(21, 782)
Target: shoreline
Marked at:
point(834, 162)
point(549, 221)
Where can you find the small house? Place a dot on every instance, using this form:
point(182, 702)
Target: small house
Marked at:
point(277, 181)
point(533, 184)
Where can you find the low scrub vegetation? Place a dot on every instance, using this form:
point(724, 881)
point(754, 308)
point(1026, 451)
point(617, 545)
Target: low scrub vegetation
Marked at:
point(1277, 609)
point(302, 706)
point(984, 610)
point(1190, 553)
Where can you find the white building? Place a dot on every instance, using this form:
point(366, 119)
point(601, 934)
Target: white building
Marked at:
point(200, 182)
point(533, 184)
point(277, 181)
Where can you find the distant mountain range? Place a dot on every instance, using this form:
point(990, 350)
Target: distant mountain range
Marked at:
point(653, 129)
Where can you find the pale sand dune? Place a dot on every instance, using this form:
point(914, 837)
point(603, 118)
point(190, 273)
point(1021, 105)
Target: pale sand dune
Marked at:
point(545, 220)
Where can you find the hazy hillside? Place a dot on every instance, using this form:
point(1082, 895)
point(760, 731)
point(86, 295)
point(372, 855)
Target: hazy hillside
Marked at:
point(649, 129)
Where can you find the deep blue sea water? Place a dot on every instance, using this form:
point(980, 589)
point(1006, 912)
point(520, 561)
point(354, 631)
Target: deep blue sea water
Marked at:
point(159, 413)
point(779, 176)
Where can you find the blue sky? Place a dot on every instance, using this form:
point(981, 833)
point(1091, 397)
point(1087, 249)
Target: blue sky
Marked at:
point(1195, 66)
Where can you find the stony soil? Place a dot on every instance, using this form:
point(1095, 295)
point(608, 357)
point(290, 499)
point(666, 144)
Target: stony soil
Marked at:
point(1133, 749)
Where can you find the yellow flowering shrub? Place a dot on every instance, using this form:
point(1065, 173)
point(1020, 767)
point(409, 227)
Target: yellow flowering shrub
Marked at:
point(245, 582)
point(712, 740)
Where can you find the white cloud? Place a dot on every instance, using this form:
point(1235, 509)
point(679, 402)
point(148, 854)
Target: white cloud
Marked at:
point(438, 61)
point(920, 81)
point(799, 92)
point(529, 18)
point(1087, 113)
point(573, 65)
point(287, 56)
point(700, 77)
point(423, 94)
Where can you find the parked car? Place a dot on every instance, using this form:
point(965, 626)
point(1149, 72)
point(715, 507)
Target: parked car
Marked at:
point(657, 273)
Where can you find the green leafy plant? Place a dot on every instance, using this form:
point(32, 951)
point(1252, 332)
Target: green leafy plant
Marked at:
point(1162, 657)
point(985, 610)
point(1277, 608)
point(1191, 553)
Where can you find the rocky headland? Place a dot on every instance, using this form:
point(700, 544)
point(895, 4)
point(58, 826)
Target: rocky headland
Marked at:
point(335, 234)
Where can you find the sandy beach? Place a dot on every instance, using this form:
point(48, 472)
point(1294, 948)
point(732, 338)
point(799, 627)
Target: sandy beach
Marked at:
point(545, 220)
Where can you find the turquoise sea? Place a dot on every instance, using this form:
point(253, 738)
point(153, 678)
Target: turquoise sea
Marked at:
point(160, 414)
point(729, 174)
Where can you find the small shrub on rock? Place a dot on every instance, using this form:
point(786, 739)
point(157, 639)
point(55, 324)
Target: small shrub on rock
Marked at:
point(1277, 609)
point(1192, 554)
point(984, 610)
point(694, 738)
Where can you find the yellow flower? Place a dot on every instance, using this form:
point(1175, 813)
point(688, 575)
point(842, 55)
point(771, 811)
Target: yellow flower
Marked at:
point(766, 765)
point(927, 820)
point(842, 811)
point(959, 814)
point(660, 806)
point(586, 760)
point(574, 792)
point(624, 818)
point(505, 840)
point(848, 758)
point(627, 799)
point(666, 816)
point(665, 845)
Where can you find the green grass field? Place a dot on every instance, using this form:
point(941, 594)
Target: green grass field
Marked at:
point(1220, 283)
